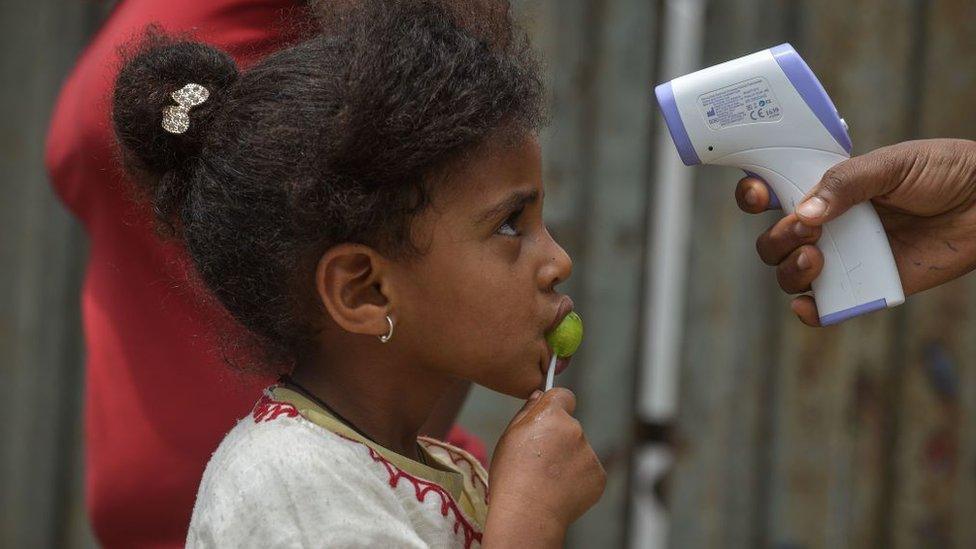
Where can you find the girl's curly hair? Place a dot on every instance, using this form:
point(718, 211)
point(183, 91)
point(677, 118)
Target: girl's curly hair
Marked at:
point(334, 139)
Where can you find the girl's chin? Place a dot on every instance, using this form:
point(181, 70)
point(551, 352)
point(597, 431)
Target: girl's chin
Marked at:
point(521, 381)
point(521, 389)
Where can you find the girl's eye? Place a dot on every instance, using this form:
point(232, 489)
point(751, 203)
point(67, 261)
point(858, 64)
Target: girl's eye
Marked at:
point(508, 228)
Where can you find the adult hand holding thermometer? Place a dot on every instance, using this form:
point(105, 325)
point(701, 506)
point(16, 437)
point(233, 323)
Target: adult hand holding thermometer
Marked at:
point(767, 114)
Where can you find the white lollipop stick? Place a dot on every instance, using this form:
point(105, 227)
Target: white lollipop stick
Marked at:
point(550, 377)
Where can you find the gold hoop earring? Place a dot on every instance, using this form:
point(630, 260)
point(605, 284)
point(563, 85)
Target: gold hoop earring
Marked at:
point(389, 335)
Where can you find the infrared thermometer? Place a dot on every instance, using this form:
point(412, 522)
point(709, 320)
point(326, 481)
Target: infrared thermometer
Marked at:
point(768, 115)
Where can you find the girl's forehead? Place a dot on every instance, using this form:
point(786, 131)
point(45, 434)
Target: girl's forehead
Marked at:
point(490, 174)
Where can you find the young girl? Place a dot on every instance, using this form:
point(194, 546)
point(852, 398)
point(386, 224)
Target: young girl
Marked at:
point(368, 205)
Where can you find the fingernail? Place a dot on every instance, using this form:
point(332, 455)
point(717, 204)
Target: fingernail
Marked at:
point(535, 394)
point(803, 262)
point(813, 207)
point(752, 197)
point(801, 230)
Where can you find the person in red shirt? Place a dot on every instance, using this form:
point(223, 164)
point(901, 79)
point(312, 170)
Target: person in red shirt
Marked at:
point(158, 393)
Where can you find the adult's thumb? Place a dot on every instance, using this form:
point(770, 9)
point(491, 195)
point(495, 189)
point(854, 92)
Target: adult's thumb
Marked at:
point(851, 182)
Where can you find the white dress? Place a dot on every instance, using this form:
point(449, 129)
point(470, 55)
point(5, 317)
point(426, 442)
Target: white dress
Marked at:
point(291, 475)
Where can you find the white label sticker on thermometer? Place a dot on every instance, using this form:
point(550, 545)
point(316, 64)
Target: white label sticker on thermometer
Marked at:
point(748, 102)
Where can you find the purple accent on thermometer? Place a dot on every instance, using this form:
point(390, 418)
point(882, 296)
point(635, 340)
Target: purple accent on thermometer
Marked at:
point(812, 91)
point(862, 309)
point(774, 203)
point(665, 100)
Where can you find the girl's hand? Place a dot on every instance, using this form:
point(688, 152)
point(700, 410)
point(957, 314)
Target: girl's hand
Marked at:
point(544, 474)
point(924, 192)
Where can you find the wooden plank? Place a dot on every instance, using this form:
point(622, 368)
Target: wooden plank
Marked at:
point(617, 87)
point(717, 494)
point(935, 490)
point(41, 250)
point(830, 437)
point(930, 473)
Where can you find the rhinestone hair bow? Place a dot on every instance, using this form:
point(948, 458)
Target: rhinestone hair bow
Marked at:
point(176, 118)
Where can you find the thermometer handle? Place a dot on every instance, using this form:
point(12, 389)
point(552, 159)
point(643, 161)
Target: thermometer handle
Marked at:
point(859, 273)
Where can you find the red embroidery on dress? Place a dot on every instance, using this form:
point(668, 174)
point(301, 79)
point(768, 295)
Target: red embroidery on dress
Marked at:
point(456, 458)
point(423, 487)
point(267, 409)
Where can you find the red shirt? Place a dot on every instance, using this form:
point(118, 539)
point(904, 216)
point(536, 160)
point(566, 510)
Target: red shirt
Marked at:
point(158, 396)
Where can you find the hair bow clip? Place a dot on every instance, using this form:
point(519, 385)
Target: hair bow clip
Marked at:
point(176, 118)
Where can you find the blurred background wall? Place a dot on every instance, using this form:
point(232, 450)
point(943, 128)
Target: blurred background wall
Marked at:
point(776, 435)
point(42, 251)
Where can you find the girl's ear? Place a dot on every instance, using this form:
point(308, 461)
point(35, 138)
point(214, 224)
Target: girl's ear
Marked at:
point(349, 280)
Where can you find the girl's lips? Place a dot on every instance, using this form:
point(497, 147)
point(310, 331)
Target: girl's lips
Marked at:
point(562, 364)
point(566, 306)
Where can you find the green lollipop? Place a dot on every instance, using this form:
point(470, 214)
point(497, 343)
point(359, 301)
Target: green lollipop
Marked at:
point(567, 336)
point(564, 340)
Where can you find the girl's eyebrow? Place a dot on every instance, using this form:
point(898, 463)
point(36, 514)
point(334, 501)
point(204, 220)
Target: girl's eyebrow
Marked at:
point(513, 201)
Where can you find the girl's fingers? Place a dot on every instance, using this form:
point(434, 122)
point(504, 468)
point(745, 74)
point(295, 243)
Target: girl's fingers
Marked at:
point(561, 397)
point(536, 395)
point(799, 269)
point(784, 238)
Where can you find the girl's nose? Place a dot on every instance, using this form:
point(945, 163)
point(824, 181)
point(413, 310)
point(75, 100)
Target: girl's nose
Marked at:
point(557, 266)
